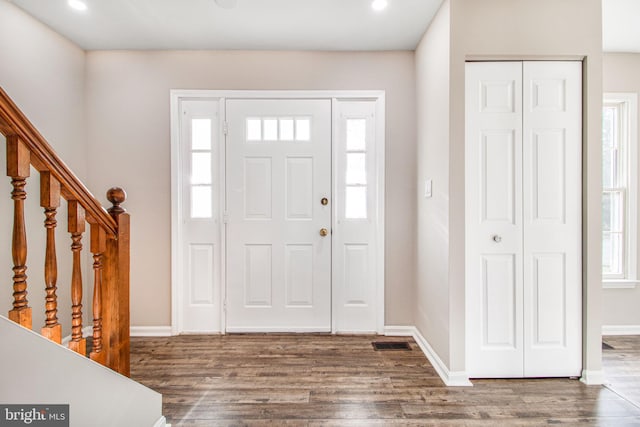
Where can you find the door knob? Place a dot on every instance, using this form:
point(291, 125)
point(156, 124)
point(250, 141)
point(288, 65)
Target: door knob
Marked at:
point(324, 201)
point(497, 238)
point(324, 232)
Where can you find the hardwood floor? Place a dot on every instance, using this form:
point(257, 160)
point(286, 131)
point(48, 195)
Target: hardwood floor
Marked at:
point(621, 365)
point(324, 380)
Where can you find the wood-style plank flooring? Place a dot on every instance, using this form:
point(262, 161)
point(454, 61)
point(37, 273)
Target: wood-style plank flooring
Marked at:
point(621, 366)
point(324, 380)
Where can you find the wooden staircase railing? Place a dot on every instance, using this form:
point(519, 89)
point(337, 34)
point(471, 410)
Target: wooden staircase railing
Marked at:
point(109, 244)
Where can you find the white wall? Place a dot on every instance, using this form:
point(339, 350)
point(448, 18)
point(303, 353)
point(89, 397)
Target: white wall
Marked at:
point(44, 75)
point(432, 259)
point(129, 146)
point(509, 29)
point(65, 377)
point(621, 73)
point(127, 111)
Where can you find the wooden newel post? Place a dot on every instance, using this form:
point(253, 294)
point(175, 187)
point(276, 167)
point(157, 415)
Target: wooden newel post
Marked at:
point(115, 293)
point(18, 168)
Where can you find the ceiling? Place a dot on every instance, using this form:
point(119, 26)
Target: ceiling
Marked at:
point(273, 24)
point(252, 24)
point(621, 25)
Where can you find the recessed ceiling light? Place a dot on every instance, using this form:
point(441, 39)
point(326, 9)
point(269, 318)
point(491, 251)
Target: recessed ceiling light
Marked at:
point(77, 5)
point(379, 5)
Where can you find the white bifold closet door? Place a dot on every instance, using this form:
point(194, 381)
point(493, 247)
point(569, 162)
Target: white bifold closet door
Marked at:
point(523, 219)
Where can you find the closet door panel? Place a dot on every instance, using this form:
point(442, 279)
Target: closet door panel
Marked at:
point(552, 141)
point(494, 219)
point(523, 219)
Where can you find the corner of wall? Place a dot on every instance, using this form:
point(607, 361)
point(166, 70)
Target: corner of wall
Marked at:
point(432, 301)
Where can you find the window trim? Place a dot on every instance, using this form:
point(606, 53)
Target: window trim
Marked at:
point(628, 104)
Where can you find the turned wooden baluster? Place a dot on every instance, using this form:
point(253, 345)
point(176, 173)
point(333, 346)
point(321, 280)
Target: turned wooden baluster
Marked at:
point(98, 247)
point(50, 201)
point(18, 168)
point(76, 228)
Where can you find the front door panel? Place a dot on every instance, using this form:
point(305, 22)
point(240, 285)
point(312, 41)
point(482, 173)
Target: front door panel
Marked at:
point(278, 157)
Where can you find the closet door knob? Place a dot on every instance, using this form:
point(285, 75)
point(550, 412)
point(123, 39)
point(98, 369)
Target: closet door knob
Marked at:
point(497, 238)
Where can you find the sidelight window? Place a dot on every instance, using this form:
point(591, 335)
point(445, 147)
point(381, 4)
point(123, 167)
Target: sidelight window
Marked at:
point(201, 179)
point(356, 169)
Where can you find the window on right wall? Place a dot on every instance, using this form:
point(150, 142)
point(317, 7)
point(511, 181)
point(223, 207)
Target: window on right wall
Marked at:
point(619, 190)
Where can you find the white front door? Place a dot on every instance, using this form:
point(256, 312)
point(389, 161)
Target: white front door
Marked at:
point(523, 219)
point(278, 215)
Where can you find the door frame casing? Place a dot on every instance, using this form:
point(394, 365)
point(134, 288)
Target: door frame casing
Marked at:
point(177, 232)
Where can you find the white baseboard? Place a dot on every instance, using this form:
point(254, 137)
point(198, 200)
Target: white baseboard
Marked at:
point(198, 333)
point(150, 331)
point(87, 331)
point(592, 377)
point(135, 331)
point(450, 378)
point(162, 422)
point(399, 331)
point(621, 330)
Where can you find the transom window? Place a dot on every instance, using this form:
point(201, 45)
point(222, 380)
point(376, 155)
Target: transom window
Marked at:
point(278, 129)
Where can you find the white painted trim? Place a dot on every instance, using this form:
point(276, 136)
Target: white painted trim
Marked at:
point(619, 284)
point(176, 217)
point(381, 144)
point(87, 331)
point(151, 331)
point(399, 331)
point(620, 329)
point(352, 95)
point(335, 117)
point(450, 378)
point(261, 330)
point(177, 267)
point(202, 332)
point(592, 377)
point(162, 422)
point(222, 193)
point(355, 332)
